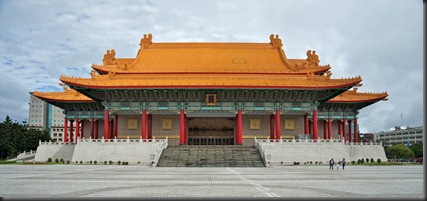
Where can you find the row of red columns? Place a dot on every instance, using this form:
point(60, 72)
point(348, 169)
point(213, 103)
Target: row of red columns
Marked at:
point(108, 129)
point(327, 129)
point(309, 127)
point(77, 131)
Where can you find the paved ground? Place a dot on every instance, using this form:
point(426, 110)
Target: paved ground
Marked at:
point(31, 181)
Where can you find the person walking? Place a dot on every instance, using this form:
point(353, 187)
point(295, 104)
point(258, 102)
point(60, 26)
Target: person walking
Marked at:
point(343, 163)
point(331, 164)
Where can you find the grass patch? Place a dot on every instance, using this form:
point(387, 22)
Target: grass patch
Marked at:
point(38, 163)
point(7, 162)
point(389, 163)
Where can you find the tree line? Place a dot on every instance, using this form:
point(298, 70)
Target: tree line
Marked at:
point(16, 138)
point(400, 151)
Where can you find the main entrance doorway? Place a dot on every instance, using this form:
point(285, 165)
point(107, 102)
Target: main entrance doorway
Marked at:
point(210, 131)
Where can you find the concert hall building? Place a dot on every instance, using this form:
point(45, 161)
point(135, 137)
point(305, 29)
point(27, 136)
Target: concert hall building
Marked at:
point(210, 93)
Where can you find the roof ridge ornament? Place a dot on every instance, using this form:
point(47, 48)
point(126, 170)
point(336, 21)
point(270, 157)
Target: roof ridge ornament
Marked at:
point(109, 57)
point(146, 41)
point(275, 41)
point(111, 74)
point(312, 58)
point(93, 73)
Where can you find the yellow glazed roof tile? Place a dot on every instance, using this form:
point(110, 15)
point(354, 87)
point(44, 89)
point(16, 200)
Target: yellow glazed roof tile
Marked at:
point(68, 95)
point(210, 58)
point(112, 80)
point(354, 96)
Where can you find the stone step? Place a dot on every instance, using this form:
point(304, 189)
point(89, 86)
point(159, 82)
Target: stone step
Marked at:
point(210, 156)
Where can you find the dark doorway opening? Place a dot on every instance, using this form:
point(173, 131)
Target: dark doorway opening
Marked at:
point(210, 131)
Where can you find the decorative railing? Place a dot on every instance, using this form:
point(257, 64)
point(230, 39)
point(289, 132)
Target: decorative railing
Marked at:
point(261, 151)
point(102, 140)
point(281, 141)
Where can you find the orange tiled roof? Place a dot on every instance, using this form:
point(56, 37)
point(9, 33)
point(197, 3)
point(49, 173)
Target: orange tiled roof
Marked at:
point(68, 95)
point(354, 96)
point(192, 80)
point(210, 58)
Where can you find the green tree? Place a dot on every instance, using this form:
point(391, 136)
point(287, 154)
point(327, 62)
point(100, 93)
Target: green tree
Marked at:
point(417, 149)
point(16, 138)
point(399, 151)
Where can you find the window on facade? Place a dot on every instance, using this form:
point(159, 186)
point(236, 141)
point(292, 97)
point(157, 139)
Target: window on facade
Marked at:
point(210, 99)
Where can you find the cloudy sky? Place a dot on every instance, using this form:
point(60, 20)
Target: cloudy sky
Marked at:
point(380, 40)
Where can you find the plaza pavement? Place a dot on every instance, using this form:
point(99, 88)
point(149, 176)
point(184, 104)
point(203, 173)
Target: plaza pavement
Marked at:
point(112, 181)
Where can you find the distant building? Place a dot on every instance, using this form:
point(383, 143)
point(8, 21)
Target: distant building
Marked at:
point(400, 136)
point(367, 137)
point(44, 116)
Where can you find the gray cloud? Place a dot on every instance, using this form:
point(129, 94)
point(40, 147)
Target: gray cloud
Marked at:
point(380, 40)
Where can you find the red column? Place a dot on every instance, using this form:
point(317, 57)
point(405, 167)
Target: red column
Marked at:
point(92, 124)
point(182, 127)
point(306, 129)
point(278, 124)
point(144, 124)
point(96, 128)
point(315, 130)
point(344, 122)
point(150, 126)
point(349, 131)
point(65, 137)
point(82, 129)
point(237, 130)
point(76, 135)
point(116, 125)
point(310, 127)
point(356, 135)
point(239, 127)
point(185, 129)
point(271, 126)
point(106, 123)
point(329, 128)
point(339, 128)
point(325, 135)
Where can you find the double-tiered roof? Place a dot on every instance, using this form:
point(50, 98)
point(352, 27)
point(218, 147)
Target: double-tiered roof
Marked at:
point(178, 66)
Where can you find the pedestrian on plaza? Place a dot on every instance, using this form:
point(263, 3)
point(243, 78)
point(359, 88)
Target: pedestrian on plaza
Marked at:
point(338, 166)
point(343, 163)
point(331, 164)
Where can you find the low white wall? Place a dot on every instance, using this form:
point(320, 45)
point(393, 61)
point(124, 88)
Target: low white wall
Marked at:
point(119, 150)
point(288, 152)
point(134, 151)
point(48, 150)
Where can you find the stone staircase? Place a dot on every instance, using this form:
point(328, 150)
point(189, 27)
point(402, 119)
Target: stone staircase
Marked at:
point(210, 156)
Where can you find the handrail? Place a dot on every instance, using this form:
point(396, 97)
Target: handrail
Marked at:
point(261, 151)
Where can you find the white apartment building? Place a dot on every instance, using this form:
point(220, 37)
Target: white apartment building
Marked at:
point(400, 135)
point(44, 116)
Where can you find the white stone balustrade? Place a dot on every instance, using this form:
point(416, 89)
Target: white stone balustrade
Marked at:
point(282, 152)
point(134, 151)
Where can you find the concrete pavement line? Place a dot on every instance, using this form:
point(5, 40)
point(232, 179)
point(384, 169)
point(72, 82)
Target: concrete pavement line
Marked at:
point(263, 190)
